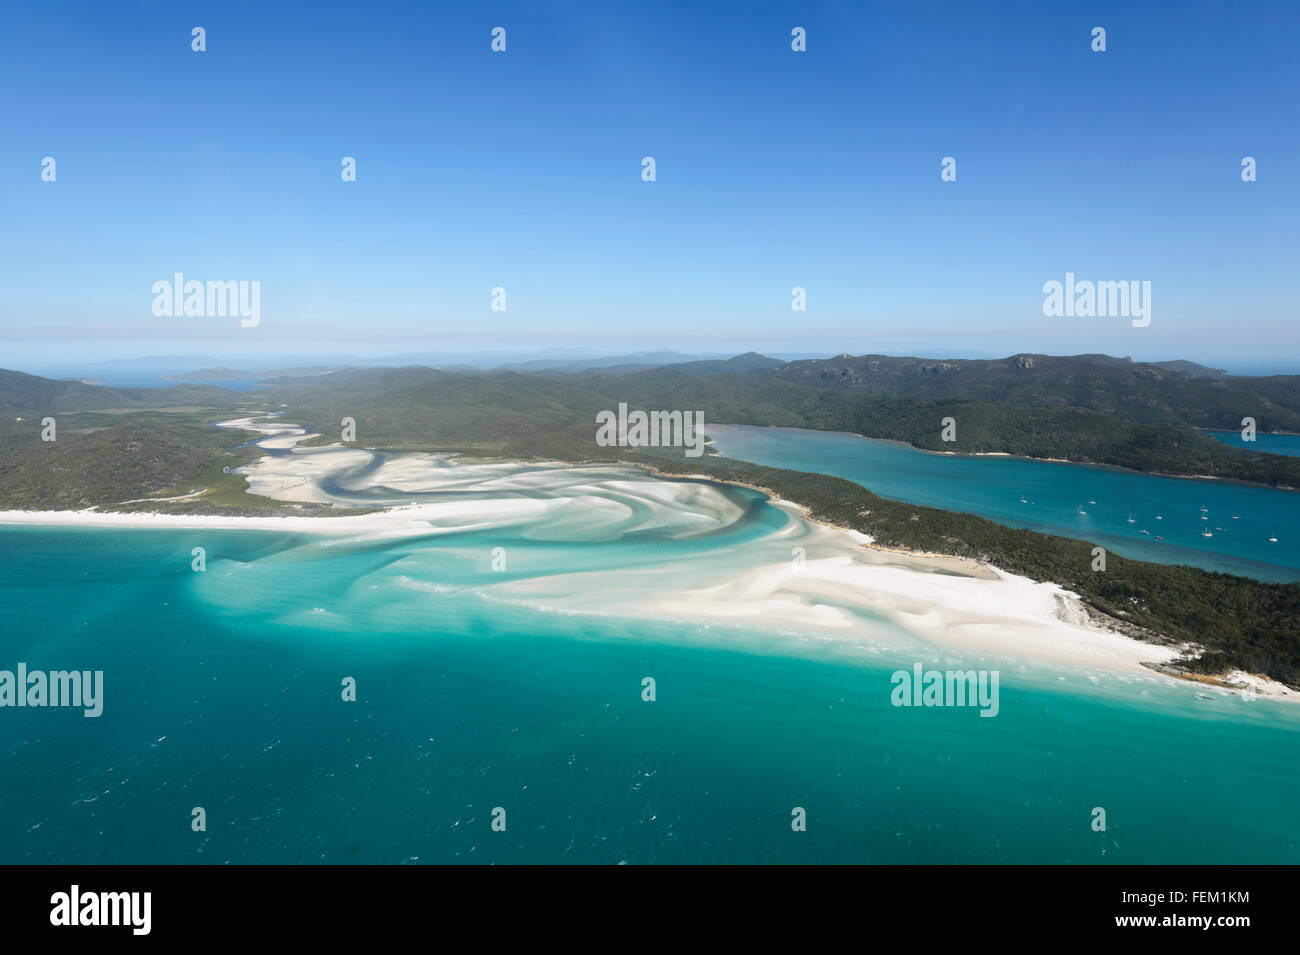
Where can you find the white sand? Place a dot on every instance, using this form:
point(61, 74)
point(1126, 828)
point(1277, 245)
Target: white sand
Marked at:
point(837, 589)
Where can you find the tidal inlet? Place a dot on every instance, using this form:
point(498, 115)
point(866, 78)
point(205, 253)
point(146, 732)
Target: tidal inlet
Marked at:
point(505, 661)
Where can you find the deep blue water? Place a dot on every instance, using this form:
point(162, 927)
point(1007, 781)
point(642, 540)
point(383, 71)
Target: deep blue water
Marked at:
point(1240, 518)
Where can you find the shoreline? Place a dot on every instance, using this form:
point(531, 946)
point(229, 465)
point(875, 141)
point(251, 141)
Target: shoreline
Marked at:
point(966, 564)
point(1025, 457)
point(1285, 434)
point(1093, 646)
point(963, 605)
point(1233, 680)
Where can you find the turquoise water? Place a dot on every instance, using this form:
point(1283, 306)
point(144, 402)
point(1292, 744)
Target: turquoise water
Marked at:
point(223, 691)
point(1288, 444)
point(1240, 518)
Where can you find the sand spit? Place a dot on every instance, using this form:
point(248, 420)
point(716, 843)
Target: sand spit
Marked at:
point(801, 577)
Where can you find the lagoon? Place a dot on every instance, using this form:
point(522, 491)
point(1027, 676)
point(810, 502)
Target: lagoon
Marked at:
point(1106, 505)
point(518, 685)
point(1287, 444)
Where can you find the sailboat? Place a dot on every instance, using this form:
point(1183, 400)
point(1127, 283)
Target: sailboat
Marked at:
point(1130, 519)
point(1207, 533)
point(1023, 500)
point(1081, 510)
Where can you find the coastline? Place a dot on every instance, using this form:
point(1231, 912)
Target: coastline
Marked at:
point(1162, 662)
point(955, 603)
point(1018, 623)
point(1025, 457)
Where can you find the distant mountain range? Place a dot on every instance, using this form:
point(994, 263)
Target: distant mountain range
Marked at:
point(200, 367)
point(237, 374)
point(116, 446)
point(1087, 408)
point(190, 368)
point(31, 393)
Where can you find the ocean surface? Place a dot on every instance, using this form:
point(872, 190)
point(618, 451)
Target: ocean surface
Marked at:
point(1089, 503)
point(223, 691)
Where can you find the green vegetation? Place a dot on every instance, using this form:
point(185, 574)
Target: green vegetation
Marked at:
point(1114, 413)
point(1252, 625)
point(104, 461)
point(21, 393)
point(1133, 391)
point(103, 458)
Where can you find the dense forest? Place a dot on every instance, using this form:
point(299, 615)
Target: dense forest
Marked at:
point(117, 445)
point(1147, 423)
point(1247, 624)
point(1250, 625)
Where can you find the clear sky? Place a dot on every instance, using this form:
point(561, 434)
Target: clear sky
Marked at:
point(522, 169)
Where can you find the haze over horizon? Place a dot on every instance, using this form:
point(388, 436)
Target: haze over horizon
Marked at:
point(140, 370)
point(522, 170)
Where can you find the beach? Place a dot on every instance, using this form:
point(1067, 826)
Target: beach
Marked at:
point(802, 577)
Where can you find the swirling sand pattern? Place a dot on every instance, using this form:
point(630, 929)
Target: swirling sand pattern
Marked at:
point(621, 541)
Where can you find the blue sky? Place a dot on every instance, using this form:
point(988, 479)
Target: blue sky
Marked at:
point(523, 170)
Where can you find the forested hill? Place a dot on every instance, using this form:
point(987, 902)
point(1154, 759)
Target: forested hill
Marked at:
point(1244, 623)
point(1086, 408)
point(32, 394)
point(1135, 391)
point(110, 456)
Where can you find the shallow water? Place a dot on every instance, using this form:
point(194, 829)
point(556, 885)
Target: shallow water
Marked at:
point(519, 685)
point(221, 697)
